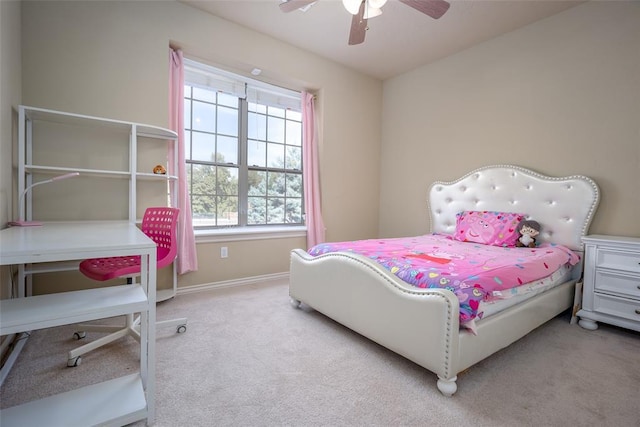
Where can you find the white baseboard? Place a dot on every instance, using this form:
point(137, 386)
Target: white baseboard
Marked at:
point(276, 277)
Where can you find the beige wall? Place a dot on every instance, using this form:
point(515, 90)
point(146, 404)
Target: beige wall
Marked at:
point(560, 96)
point(110, 59)
point(10, 82)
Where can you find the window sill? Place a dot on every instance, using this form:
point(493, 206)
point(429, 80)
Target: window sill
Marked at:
point(249, 233)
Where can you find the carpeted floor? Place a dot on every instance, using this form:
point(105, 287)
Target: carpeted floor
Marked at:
point(249, 359)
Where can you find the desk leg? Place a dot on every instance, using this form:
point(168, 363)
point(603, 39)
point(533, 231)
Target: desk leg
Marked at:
point(148, 334)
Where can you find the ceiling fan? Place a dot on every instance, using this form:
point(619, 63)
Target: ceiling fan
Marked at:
point(363, 10)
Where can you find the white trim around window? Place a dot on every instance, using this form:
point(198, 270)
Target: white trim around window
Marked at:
point(236, 234)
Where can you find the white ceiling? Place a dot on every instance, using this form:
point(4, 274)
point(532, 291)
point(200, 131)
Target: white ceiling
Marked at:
point(398, 41)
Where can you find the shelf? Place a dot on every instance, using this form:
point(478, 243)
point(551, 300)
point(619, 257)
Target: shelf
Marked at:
point(52, 267)
point(118, 402)
point(146, 131)
point(55, 170)
point(46, 311)
point(151, 176)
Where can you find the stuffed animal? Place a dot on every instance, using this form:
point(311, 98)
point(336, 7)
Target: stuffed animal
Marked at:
point(528, 230)
point(159, 170)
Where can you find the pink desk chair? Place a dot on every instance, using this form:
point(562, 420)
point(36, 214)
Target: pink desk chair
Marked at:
point(160, 224)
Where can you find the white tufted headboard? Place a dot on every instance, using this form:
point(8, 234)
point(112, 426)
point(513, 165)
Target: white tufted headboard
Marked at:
point(564, 206)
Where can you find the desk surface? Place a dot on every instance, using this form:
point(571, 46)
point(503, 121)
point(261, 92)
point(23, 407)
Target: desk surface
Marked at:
point(60, 241)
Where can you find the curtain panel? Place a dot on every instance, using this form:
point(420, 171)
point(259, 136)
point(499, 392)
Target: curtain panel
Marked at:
point(310, 171)
point(187, 254)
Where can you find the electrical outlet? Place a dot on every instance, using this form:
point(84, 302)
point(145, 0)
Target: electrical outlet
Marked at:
point(224, 252)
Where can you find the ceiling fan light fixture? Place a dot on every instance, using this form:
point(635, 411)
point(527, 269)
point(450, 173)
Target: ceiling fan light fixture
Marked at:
point(352, 6)
point(376, 4)
point(372, 12)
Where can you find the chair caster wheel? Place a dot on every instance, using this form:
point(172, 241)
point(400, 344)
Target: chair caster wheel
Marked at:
point(79, 335)
point(72, 363)
point(181, 329)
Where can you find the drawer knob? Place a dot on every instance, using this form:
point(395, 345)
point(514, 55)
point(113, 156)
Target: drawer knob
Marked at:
point(637, 310)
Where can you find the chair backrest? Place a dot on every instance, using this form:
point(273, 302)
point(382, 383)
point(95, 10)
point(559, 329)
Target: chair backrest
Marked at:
point(161, 225)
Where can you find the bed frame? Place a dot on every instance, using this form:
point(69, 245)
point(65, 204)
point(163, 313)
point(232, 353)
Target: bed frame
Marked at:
point(365, 297)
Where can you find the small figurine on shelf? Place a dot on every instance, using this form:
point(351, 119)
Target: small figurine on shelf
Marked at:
point(159, 170)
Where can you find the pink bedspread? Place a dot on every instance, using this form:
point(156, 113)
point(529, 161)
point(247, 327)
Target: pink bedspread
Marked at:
point(471, 271)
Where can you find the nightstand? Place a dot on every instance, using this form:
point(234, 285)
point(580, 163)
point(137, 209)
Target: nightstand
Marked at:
point(611, 290)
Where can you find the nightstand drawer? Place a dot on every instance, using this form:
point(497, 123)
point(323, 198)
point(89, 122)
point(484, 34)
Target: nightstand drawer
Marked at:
point(617, 307)
point(618, 260)
point(627, 285)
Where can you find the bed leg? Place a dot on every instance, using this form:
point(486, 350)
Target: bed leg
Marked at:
point(295, 303)
point(447, 386)
point(588, 324)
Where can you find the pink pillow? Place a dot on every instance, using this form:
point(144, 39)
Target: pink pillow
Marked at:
point(487, 227)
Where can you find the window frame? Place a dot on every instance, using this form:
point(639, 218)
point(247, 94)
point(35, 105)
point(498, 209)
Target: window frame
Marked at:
point(244, 228)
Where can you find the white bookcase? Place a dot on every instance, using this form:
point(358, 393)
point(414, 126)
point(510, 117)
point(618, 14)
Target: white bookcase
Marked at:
point(115, 160)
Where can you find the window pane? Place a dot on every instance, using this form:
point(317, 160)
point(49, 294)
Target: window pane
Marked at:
point(204, 94)
point(187, 91)
point(276, 184)
point(201, 192)
point(204, 117)
point(257, 183)
point(257, 153)
point(275, 155)
point(257, 211)
point(293, 211)
point(257, 126)
point(275, 111)
point(275, 129)
point(187, 144)
point(294, 185)
point(275, 210)
point(187, 113)
point(227, 181)
point(203, 179)
point(203, 146)
point(227, 150)
point(227, 210)
point(228, 121)
point(203, 208)
point(228, 100)
point(294, 133)
point(294, 115)
point(294, 158)
point(257, 108)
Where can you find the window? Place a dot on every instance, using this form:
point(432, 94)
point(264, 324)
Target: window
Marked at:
point(243, 149)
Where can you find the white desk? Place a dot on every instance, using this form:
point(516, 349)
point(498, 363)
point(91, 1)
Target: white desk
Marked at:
point(115, 402)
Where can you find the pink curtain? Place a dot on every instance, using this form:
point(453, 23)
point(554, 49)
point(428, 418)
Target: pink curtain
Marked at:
point(187, 255)
point(311, 175)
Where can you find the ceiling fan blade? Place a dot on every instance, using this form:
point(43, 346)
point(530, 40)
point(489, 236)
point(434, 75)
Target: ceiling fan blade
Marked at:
point(292, 5)
point(358, 26)
point(433, 8)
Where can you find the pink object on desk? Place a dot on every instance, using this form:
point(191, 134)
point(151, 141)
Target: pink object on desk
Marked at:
point(23, 223)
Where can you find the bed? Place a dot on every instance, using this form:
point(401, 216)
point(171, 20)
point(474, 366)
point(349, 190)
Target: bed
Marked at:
point(423, 324)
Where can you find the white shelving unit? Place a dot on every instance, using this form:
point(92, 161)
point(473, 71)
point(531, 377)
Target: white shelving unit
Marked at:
point(117, 155)
point(115, 402)
point(115, 160)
